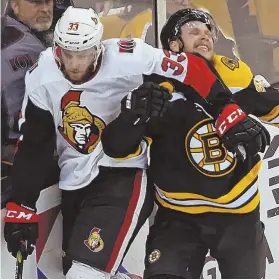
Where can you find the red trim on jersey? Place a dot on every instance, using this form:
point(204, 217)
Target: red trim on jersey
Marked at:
point(127, 221)
point(199, 76)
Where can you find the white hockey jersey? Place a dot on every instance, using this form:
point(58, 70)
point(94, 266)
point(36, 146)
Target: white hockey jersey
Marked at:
point(81, 112)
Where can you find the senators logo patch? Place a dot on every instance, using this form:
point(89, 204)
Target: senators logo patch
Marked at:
point(94, 242)
point(206, 152)
point(80, 128)
point(126, 45)
point(21, 62)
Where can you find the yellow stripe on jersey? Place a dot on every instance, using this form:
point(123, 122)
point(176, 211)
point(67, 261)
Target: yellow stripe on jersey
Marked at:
point(7, 163)
point(139, 150)
point(249, 207)
point(242, 186)
point(234, 73)
point(135, 154)
point(272, 117)
point(148, 140)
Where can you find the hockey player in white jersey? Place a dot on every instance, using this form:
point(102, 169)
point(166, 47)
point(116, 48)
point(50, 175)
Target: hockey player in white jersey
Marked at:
point(72, 93)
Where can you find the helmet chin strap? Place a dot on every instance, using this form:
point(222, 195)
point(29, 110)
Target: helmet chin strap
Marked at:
point(102, 50)
point(57, 53)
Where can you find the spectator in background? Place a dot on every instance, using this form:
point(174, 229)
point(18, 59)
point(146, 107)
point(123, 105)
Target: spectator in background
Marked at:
point(20, 48)
point(26, 30)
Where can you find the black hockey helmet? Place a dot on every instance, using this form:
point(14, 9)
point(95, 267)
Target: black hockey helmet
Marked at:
point(172, 28)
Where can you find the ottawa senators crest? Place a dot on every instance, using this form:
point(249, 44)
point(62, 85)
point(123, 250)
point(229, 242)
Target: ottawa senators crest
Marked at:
point(94, 241)
point(80, 128)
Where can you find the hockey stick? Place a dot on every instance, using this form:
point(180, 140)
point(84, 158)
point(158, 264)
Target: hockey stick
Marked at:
point(19, 261)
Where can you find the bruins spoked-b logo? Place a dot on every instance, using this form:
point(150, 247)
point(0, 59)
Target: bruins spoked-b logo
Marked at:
point(79, 127)
point(206, 152)
point(154, 256)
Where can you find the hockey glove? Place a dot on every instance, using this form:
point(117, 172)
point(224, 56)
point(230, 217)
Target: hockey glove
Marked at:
point(21, 226)
point(146, 101)
point(241, 134)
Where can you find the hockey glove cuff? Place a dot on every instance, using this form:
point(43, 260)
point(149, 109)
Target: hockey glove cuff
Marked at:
point(146, 101)
point(241, 134)
point(21, 226)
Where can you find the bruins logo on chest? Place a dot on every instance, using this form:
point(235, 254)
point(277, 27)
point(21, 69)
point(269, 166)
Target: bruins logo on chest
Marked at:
point(206, 152)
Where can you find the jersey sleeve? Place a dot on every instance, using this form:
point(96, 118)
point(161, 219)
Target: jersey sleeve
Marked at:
point(190, 74)
point(34, 152)
point(112, 138)
point(260, 99)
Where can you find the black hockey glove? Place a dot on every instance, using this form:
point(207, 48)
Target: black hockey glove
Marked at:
point(21, 227)
point(241, 134)
point(146, 101)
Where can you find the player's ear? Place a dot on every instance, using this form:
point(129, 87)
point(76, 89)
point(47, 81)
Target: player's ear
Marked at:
point(15, 6)
point(174, 46)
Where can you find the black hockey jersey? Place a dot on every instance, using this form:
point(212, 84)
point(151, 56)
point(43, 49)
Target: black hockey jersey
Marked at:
point(191, 169)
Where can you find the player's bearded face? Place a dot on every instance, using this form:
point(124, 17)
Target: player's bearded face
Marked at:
point(37, 14)
point(197, 38)
point(78, 64)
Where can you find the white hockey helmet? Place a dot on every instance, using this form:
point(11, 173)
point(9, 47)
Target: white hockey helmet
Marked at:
point(79, 29)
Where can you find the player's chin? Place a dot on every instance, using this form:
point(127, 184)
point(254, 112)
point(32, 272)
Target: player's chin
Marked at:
point(206, 54)
point(75, 77)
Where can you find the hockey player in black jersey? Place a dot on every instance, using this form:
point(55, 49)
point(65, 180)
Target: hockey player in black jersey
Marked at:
point(207, 196)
